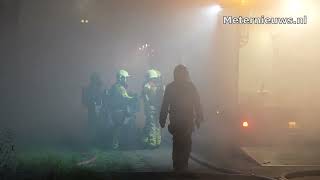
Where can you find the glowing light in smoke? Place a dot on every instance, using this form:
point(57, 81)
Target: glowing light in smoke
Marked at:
point(213, 10)
point(244, 2)
point(292, 124)
point(245, 124)
point(295, 7)
point(84, 21)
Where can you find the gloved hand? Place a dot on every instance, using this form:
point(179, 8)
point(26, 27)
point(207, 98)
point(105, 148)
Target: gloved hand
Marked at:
point(134, 98)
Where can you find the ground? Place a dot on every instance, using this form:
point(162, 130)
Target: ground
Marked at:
point(62, 161)
point(103, 162)
point(269, 161)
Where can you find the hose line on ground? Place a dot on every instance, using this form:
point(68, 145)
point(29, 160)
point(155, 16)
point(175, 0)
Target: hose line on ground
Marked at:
point(224, 171)
point(228, 172)
point(301, 174)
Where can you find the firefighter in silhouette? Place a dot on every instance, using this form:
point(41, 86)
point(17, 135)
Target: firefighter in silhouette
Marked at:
point(120, 106)
point(152, 95)
point(182, 102)
point(92, 99)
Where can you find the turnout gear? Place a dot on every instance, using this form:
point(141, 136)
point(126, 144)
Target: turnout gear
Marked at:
point(152, 96)
point(92, 96)
point(182, 102)
point(122, 106)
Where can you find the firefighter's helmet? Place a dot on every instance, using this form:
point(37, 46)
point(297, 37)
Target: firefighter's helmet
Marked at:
point(152, 74)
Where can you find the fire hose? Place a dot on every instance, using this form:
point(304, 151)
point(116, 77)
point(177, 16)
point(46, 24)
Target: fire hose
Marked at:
point(227, 173)
point(300, 174)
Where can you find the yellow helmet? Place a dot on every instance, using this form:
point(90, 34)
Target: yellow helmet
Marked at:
point(122, 74)
point(152, 74)
point(159, 73)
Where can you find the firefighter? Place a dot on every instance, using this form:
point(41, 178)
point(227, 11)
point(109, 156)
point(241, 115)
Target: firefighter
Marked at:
point(182, 102)
point(120, 102)
point(152, 95)
point(92, 99)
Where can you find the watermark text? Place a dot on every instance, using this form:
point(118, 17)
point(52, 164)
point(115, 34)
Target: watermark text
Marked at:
point(264, 20)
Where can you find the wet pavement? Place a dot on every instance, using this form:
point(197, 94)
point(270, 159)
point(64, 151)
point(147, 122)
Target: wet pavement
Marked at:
point(281, 160)
point(284, 155)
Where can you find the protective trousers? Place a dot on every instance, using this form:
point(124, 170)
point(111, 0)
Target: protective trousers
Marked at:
point(181, 150)
point(152, 131)
point(118, 118)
